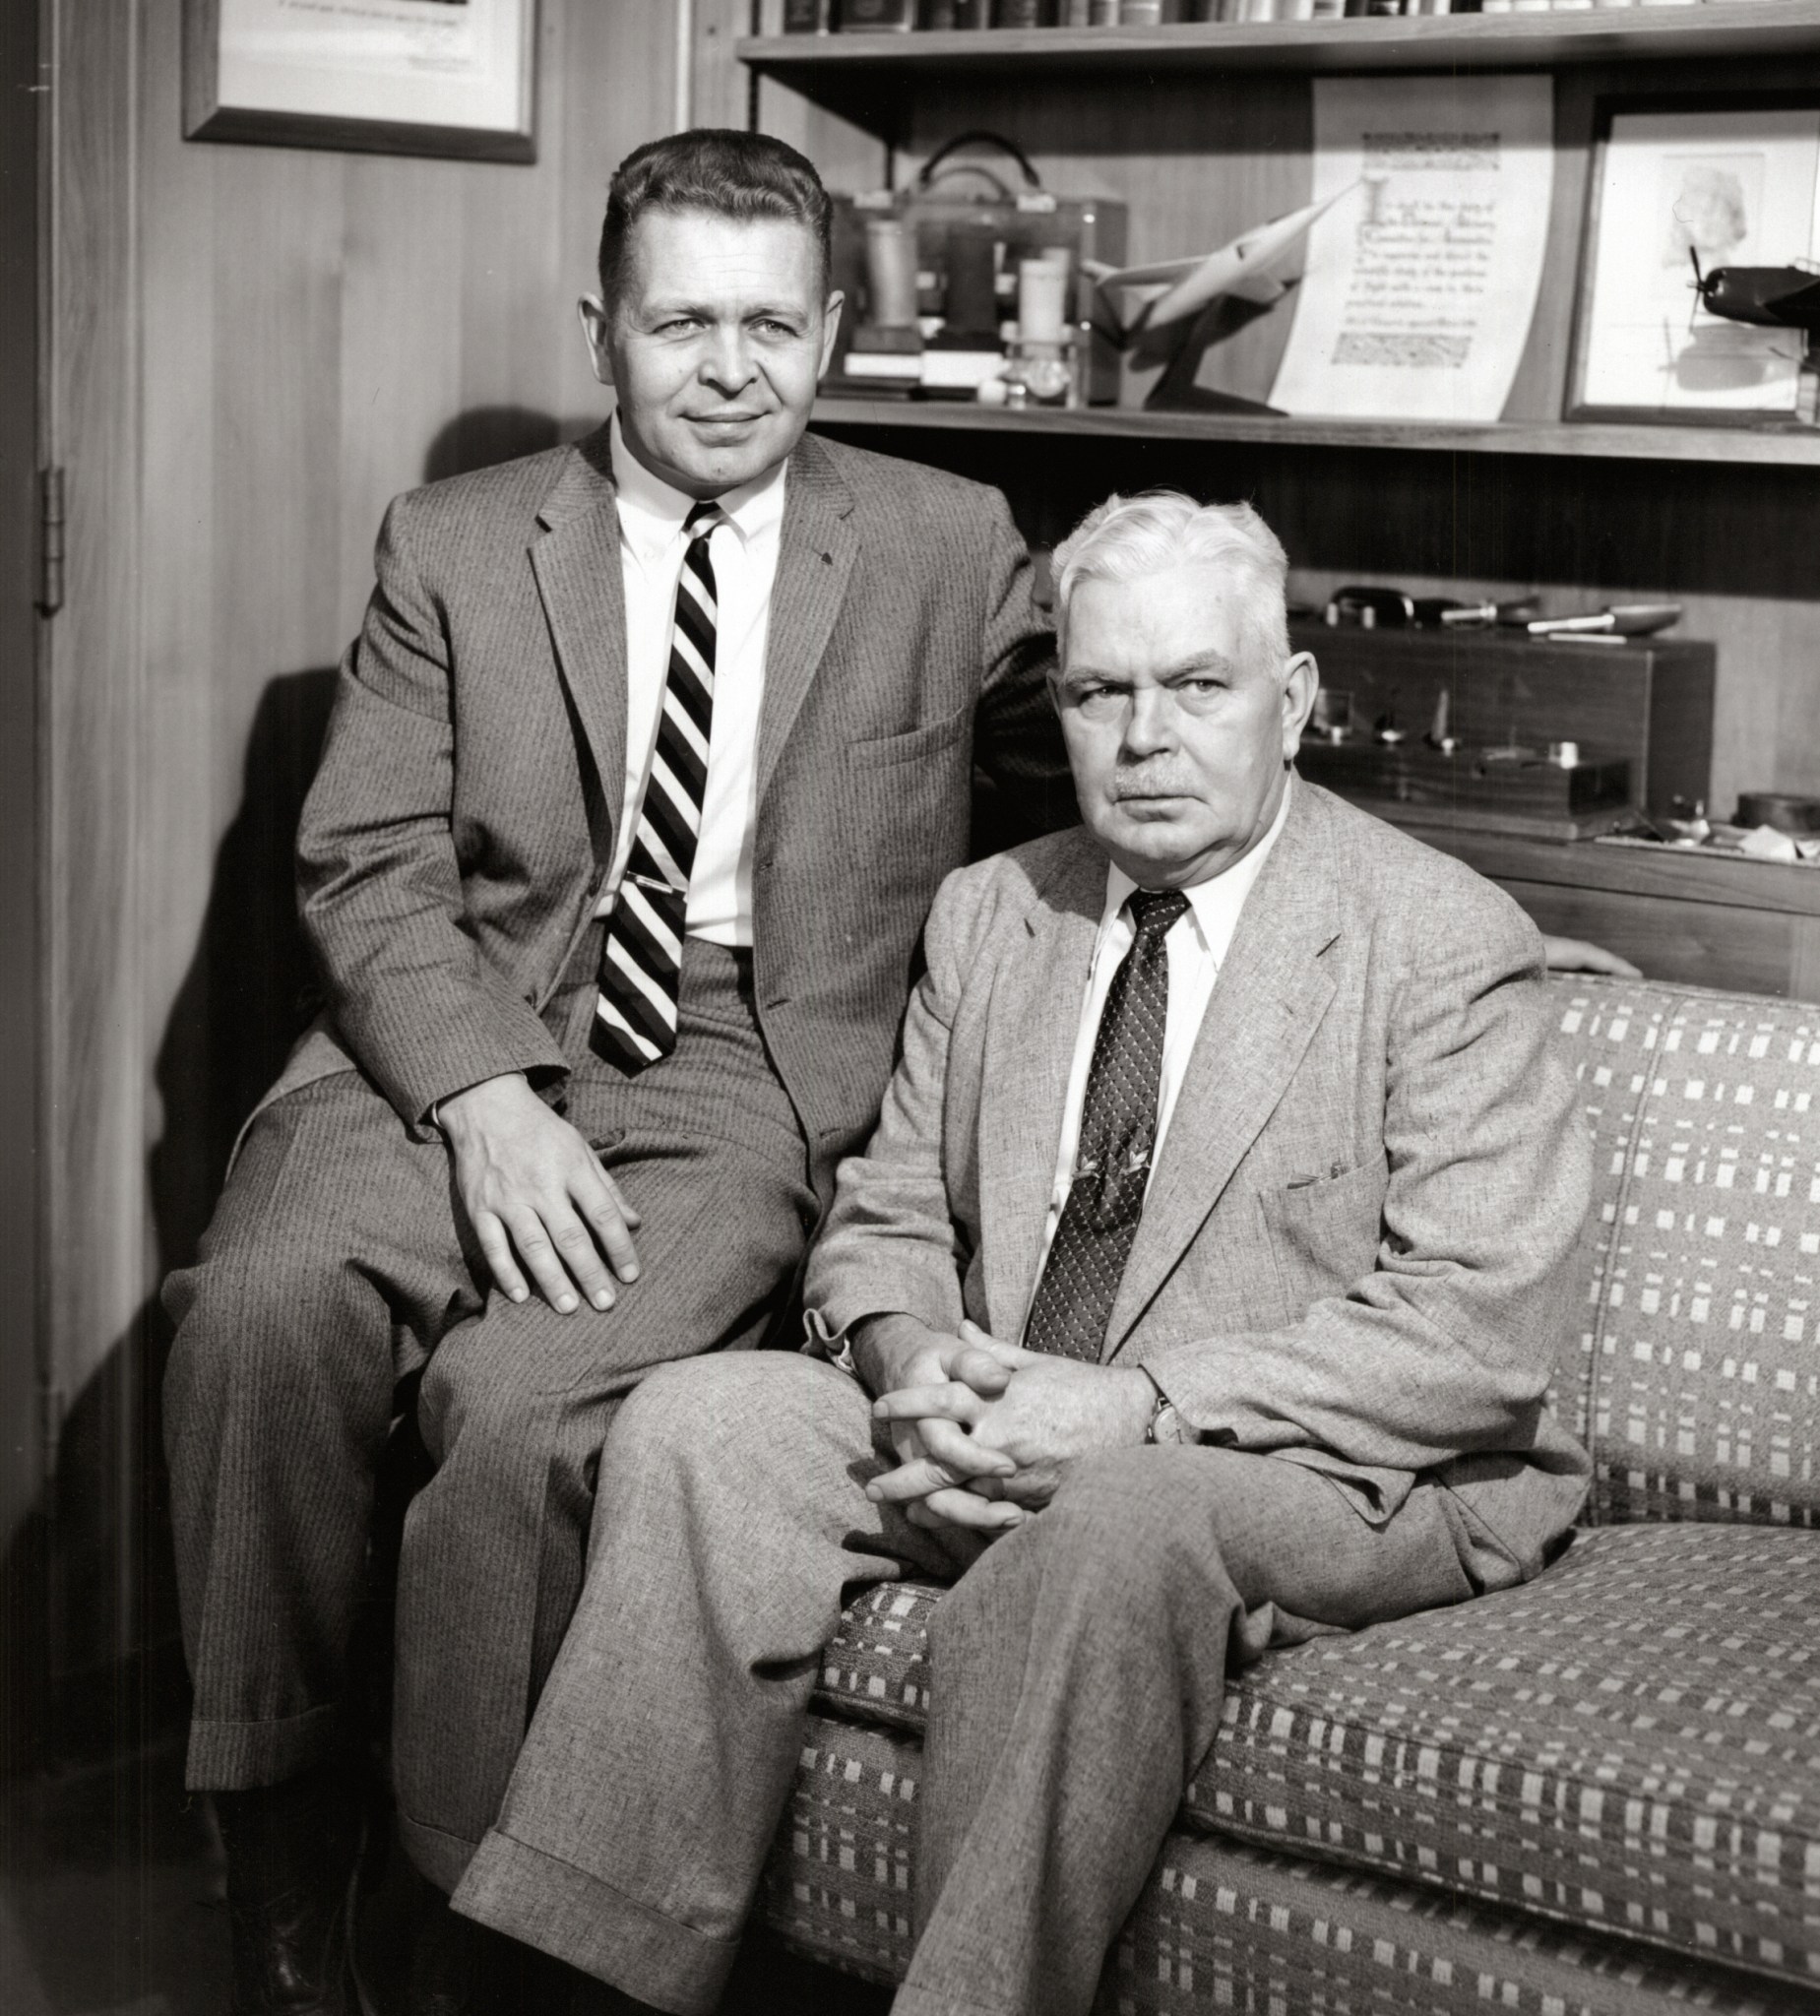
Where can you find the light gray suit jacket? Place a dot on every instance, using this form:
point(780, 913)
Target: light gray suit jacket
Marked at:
point(1355, 1253)
point(460, 826)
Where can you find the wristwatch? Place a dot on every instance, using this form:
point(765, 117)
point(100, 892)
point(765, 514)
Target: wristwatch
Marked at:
point(1167, 1424)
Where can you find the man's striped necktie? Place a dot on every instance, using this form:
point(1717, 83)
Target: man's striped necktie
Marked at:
point(641, 962)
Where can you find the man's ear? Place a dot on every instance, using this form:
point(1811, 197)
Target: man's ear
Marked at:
point(597, 321)
point(831, 330)
point(1301, 682)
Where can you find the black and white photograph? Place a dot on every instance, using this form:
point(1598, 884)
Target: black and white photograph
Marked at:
point(910, 1008)
point(1681, 195)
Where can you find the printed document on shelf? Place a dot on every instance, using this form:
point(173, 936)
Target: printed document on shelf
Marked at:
point(1418, 289)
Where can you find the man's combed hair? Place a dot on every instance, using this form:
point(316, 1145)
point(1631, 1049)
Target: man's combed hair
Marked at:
point(717, 169)
point(1130, 539)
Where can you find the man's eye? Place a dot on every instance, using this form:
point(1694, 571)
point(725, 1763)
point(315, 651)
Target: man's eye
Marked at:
point(677, 325)
point(1098, 701)
point(767, 326)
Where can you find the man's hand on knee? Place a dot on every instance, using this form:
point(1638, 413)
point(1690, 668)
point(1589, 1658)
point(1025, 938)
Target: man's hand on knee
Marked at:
point(537, 1197)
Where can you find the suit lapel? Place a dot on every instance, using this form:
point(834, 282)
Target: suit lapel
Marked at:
point(1035, 1012)
point(577, 572)
point(816, 550)
point(1266, 1006)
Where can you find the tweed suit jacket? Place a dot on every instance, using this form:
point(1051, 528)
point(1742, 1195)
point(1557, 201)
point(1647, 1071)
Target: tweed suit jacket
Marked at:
point(1354, 1249)
point(460, 829)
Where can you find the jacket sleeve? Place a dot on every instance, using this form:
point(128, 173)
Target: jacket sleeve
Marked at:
point(891, 1242)
point(378, 882)
point(1445, 1348)
point(1017, 736)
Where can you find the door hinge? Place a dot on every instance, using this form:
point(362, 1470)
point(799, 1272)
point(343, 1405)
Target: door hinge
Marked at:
point(50, 540)
point(50, 1429)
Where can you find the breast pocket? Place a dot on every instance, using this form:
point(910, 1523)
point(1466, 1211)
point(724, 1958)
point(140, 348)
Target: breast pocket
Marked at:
point(913, 745)
point(1324, 1232)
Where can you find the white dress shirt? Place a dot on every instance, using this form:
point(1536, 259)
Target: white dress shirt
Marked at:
point(1198, 942)
point(744, 554)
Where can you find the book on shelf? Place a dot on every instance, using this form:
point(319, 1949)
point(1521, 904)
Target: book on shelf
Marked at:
point(859, 16)
point(872, 16)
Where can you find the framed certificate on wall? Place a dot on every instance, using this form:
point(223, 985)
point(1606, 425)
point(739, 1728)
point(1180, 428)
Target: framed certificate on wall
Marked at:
point(437, 77)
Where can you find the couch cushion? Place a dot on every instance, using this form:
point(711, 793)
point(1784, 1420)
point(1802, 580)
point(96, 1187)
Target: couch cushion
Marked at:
point(1609, 1032)
point(1630, 1743)
point(1707, 1354)
point(1221, 1926)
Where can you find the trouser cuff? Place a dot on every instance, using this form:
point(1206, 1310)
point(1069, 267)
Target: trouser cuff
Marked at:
point(561, 1910)
point(440, 1855)
point(915, 2001)
point(240, 1756)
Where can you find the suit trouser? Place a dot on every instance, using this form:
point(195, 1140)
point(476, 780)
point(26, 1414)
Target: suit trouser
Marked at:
point(1076, 1672)
point(334, 1267)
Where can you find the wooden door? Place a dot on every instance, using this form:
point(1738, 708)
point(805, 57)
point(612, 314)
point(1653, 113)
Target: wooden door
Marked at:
point(22, 1420)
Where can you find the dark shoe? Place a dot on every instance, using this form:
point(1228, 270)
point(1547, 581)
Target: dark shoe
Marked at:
point(460, 1968)
point(590, 1997)
point(291, 1855)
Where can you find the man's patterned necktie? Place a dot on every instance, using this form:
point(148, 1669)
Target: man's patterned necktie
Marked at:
point(641, 962)
point(1118, 1132)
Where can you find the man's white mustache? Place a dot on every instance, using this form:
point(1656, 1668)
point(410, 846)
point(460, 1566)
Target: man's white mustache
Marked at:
point(1151, 785)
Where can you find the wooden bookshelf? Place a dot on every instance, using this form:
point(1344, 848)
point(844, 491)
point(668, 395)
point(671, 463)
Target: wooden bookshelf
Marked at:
point(1784, 447)
point(1203, 130)
point(850, 71)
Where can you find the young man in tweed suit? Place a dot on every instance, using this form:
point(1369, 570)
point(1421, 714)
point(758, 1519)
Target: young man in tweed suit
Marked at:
point(642, 775)
point(1197, 1294)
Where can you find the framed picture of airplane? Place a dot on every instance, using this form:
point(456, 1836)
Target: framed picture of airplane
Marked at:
point(435, 77)
point(1699, 284)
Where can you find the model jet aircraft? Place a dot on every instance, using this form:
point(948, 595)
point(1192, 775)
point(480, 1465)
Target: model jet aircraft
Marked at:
point(1240, 268)
point(1768, 297)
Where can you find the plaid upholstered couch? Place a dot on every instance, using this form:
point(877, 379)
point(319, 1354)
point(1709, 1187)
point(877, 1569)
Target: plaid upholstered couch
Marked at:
point(1597, 1792)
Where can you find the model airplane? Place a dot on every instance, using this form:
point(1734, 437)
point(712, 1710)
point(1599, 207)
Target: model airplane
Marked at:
point(1241, 268)
point(1769, 296)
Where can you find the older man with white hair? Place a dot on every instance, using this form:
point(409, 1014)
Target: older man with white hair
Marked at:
point(1196, 1294)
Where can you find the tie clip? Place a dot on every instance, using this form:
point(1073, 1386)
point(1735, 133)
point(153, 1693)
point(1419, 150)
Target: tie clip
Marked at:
point(652, 883)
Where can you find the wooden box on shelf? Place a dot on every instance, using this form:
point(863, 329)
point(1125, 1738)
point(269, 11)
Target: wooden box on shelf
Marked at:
point(1647, 701)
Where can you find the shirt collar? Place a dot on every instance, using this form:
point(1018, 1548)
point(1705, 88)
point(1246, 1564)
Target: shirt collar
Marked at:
point(1215, 904)
point(652, 512)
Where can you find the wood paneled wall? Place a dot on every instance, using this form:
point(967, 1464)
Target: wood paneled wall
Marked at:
point(255, 347)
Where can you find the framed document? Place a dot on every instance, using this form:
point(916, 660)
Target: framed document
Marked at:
point(1421, 281)
point(439, 77)
point(1672, 190)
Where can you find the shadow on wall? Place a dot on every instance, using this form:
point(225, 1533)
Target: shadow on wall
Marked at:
point(488, 435)
point(88, 1599)
point(89, 1576)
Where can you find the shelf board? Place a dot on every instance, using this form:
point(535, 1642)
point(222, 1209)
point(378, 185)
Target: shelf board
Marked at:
point(1790, 447)
point(1718, 28)
point(1680, 874)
